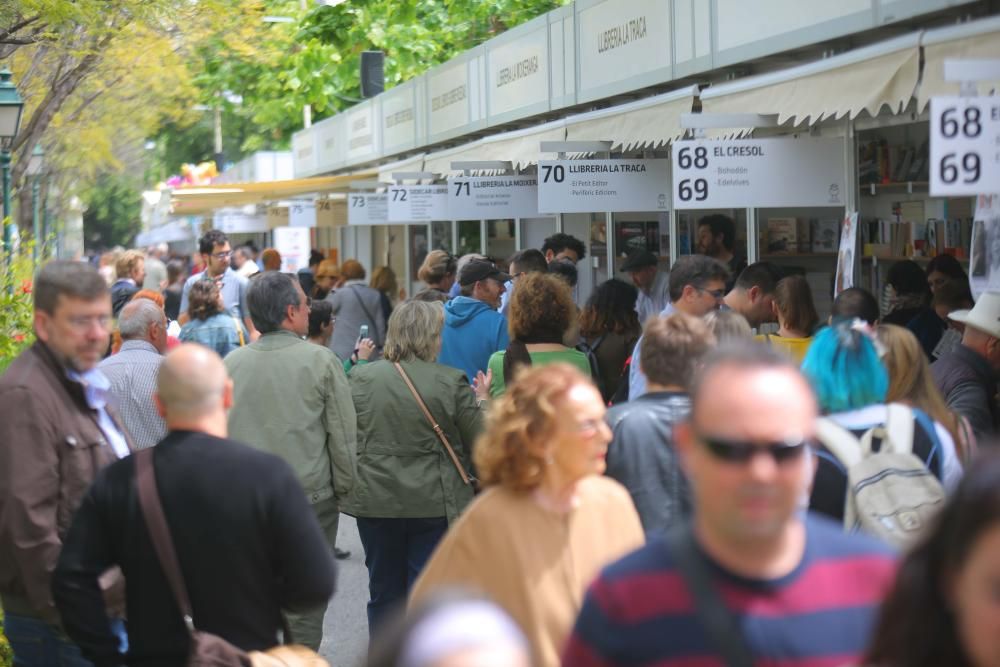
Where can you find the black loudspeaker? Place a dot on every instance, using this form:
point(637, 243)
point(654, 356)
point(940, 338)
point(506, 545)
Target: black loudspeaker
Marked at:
point(372, 73)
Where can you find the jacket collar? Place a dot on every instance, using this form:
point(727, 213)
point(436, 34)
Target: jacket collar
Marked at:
point(976, 362)
point(138, 345)
point(57, 372)
point(274, 340)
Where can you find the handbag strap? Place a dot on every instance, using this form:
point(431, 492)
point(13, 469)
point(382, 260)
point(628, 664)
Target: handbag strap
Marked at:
point(718, 622)
point(368, 313)
point(159, 532)
point(239, 330)
point(434, 425)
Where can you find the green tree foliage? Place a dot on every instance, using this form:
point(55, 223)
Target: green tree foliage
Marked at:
point(112, 215)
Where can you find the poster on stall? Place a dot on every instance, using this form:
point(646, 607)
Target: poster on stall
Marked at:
point(293, 245)
point(845, 256)
point(984, 255)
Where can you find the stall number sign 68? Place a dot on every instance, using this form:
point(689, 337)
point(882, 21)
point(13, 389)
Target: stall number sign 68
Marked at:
point(695, 158)
point(965, 146)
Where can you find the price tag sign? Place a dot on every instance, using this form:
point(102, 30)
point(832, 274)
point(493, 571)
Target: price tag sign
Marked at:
point(367, 209)
point(492, 197)
point(758, 173)
point(587, 186)
point(302, 214)
point(418, 203)
point(965, 146)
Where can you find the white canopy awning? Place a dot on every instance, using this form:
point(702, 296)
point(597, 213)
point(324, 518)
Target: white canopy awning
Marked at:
point(646, 123)
point(974, 41)
point(520, 147)
point(177, 230)
point(412, 163)
point(866, 79)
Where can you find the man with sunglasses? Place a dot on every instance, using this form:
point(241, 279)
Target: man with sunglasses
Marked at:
point(216, 254)
point(753, 576)
point(697, 287)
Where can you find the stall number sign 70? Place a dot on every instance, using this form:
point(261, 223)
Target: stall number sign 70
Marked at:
point(692, 159)
point(965, 146)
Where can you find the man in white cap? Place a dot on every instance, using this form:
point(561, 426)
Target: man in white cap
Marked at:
point(967, 376)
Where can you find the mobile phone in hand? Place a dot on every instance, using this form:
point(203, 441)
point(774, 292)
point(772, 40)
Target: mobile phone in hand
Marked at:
point(364, 331)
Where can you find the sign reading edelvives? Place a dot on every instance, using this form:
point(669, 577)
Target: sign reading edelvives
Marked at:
point(757, 173)
point(965, 146)
point(584, 186)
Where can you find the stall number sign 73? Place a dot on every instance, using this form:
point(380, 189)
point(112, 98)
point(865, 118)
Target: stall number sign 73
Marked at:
point(357, 201)
point(692, 159)
point(965, 146)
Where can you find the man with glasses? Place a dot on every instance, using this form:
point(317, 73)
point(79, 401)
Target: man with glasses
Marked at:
point(752, 575)
point(697, 287)
point(521, 263)
point(57, 430)
point(291, 399)
point(216, 253)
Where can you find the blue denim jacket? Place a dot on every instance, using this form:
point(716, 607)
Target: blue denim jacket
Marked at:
point(221, 332)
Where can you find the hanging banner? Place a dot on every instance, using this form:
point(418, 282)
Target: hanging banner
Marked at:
point(984, 256)
point(845, 256)
point(758, 173)
point(302, 213)
point(293, 245)
point(492, 197)
point(587, 186)
point(418, 203)
point(331, 212)
point(277, 216)
point(367, 209)
point(965, 146)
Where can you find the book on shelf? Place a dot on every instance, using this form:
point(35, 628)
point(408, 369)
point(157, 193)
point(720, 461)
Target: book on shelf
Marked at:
point(782, 235)
point(880, 163)
point(825, 235)
point(884, 238)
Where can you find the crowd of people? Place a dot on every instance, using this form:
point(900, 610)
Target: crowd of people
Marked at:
point(690, 469)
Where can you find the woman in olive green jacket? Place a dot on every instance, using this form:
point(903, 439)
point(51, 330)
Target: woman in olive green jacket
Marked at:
point(408, 487)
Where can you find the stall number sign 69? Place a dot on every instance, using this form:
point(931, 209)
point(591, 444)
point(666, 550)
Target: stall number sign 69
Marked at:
point(692, 158)
point(965, 146)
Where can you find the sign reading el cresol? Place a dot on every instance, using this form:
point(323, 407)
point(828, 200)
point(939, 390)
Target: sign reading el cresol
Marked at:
point(367, 209)
point(758, 173)
point(492, 197)
point(583, 186)
point(418, 203)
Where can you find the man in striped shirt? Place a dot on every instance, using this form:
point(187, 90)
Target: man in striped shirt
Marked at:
point(794, 589)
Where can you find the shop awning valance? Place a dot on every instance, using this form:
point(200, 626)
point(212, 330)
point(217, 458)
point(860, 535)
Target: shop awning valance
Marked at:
point(204, 199)
point(647, 123)
point(866, 79)
point(413, 163)
point(520, 147)
point(169, 232)
point(974, 41)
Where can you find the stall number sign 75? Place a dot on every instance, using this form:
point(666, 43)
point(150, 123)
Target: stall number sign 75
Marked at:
point(965, 146)
point(692, 159)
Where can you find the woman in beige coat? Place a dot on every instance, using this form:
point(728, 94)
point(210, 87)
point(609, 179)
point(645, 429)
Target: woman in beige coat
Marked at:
point(549, 520)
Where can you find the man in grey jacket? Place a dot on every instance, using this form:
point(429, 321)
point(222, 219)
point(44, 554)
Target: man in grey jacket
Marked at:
point(641, 455)
point(291, 398)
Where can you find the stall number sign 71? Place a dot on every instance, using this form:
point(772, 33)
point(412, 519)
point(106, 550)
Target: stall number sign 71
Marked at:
point(965, 146)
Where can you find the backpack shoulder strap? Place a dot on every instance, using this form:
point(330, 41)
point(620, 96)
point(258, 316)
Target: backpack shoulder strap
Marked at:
point(841, 442)
point(899, 426)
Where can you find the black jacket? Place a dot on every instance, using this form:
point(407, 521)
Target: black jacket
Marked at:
point(969, 387)
point(247, 541)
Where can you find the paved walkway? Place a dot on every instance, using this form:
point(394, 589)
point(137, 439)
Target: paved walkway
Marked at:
point(345, 631)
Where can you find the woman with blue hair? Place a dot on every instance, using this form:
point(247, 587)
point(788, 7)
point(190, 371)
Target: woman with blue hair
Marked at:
point(844, 367)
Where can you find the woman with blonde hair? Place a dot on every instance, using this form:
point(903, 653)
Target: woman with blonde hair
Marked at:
point(911, 383)
point(548, 520)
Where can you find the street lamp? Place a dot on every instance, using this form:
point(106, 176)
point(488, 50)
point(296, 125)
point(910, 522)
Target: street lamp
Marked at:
point(35, 165)
point(10, 120)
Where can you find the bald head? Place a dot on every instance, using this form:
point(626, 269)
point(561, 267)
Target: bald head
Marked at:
point(192, 386)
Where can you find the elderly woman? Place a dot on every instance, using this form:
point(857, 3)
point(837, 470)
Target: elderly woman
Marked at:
point(210, 323)
point(411, 482)
point(541, 315)
point(549, 520)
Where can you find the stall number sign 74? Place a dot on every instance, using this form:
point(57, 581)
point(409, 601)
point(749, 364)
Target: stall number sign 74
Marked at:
point(965, 146)
point(692, 158)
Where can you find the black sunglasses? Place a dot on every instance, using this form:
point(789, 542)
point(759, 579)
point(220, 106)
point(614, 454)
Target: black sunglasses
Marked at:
point(741, 451)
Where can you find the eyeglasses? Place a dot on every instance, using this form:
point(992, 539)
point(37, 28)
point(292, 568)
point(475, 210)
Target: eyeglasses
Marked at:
point(223, 255)
point(742, 451)
point(718, 294)
point(85, 323)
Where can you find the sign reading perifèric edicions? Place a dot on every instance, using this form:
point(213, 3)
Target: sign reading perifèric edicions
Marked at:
point(492, 197)
point(965, 146)
point(758, 173)
point(584, 186)
point(418, 203)
point(367, 208)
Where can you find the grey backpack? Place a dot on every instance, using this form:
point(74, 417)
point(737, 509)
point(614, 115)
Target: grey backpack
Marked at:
point(891, 494)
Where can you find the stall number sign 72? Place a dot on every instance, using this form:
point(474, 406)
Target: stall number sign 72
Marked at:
point(398, 194)
point(965, 146)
